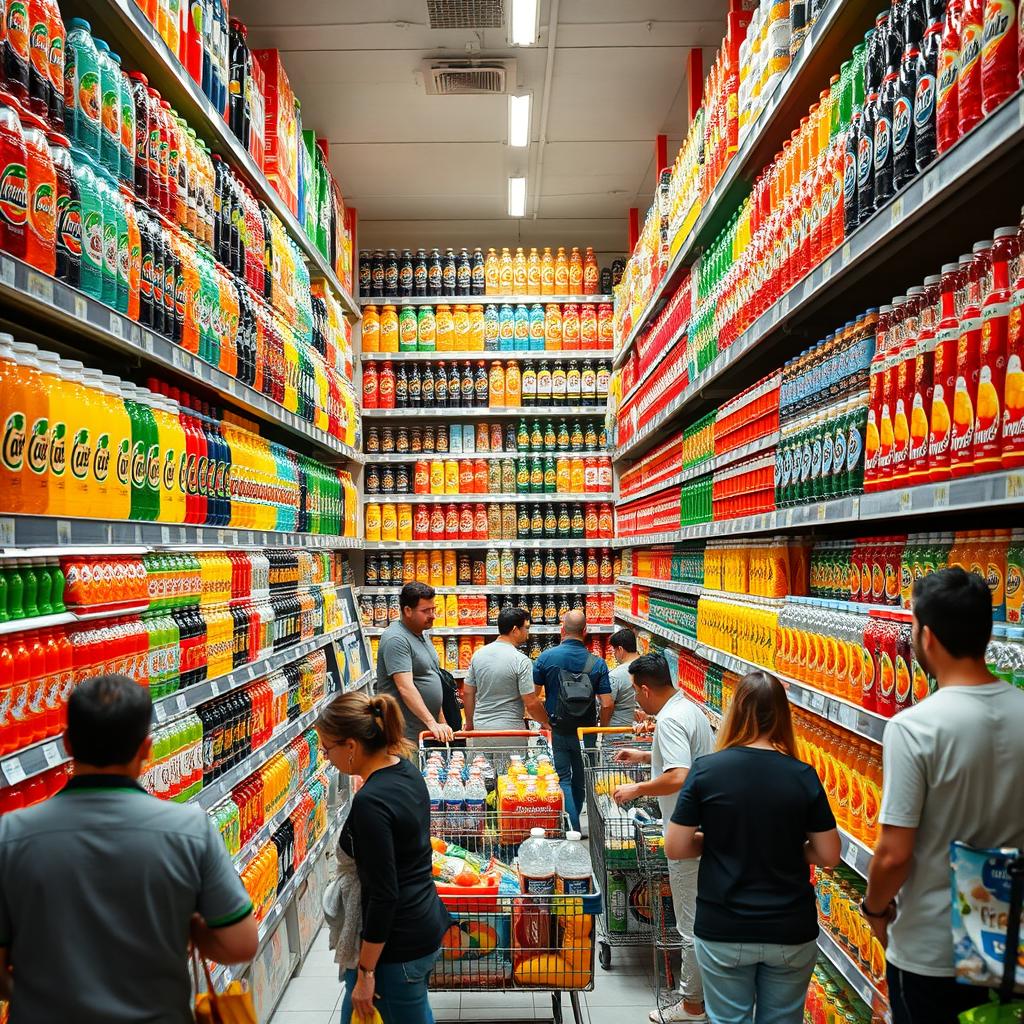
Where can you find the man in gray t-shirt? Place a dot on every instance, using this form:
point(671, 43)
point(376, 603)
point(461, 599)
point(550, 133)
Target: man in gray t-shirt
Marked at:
point(499, 691)
point(623, 645)
point(953, 769)
point(407, 665)
point(102, 886)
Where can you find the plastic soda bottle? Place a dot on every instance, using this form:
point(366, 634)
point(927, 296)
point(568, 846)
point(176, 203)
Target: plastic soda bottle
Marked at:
point(13, 182)
point(947, 114)
point(82, 85)
point(91, 276)
point(40, 248)
point(110, 109)
point(969, 70)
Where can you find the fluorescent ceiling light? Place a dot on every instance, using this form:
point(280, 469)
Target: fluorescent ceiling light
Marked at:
point(522, 23)
point(519, 120)
point(516, 197)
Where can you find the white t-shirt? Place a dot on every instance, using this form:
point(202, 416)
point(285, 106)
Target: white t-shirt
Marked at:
point(681, 735)
point(501, 676)
point(953, 768)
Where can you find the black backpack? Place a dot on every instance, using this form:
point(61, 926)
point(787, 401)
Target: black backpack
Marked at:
point(576, 696)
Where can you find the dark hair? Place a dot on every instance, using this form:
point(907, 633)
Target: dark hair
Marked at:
point(650, 670)
point(759, 707)
point(108, 720)
point(512, 618)
point(375, 722)
point(413, 593)
point(624, 638)
point(957, 607)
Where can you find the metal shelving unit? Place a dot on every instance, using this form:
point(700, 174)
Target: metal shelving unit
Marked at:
point(484, 412)
point(128, 31)
point(488, 499)
point(42, 297)
point(482, 545)
point(520, 355)
point(919, 206)
point(480, 300)
point(499, 591)
point(851, 972)
point(445, 456)
point(492, 630)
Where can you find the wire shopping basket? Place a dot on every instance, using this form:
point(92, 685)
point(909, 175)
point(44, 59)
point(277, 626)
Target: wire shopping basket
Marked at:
point(500, 938)
point(627, 917)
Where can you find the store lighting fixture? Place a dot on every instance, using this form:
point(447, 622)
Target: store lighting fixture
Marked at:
point(516, 197)
point(519, 121)
point(522, 22)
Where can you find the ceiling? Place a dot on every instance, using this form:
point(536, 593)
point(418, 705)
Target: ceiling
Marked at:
point(433, 170)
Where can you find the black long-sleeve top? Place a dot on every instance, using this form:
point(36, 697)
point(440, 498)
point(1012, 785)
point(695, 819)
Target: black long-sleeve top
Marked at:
point(388, 834)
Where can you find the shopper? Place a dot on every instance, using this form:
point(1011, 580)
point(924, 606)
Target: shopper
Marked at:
point(756, 816)
point(387, 833)
point(499, 691)
point(407, 666)
point(103, 886)
point(681, 735)
point(571, 677)
point(623, 645)
point(953, 770)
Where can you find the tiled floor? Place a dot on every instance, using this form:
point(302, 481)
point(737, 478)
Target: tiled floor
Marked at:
point(622, 995)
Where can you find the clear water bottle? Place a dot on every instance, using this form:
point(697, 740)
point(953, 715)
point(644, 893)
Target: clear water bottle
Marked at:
point(537, 864)
point(572, 866)
point(476, 803)
point(454, 802)
point(436, 795)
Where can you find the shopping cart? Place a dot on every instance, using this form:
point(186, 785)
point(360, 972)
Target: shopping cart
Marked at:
point(627, 917)
point(501, 939)
point(665, 940)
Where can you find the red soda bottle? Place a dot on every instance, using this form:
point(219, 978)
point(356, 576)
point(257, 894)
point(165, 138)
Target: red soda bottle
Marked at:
point(40, 241)
point(1013, 393)
point(969, 72)
point(947, 336)
point(947, 115)
point(999, 57)
point(13, 180)
point(967, 363)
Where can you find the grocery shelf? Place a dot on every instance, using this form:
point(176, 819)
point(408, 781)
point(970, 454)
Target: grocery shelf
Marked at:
point(485, 412)
point(445, 456)
point(38, 295)
point(491, 630)
point(32, 760)
point(130, 34)
point(520, 355)
point(921, 205)
point(854, 853)
point(22, 531)
point(499, 591)
point(851, 972)
point(183, 701)
point(479, 300)
point(68, 618)
point(485, 499)
point(707, 466)
point(248, 851)
point(482, 545)
point(714, 717)
point(833, 709)
point(675, 586)
point(838, 27)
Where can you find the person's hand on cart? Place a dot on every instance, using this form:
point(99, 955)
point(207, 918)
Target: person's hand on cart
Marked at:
point(630, 755)
point(627, 792)
point(441, 732)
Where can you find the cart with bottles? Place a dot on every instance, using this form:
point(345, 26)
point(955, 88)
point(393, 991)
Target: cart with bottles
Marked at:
point(628, 918)
point(485, 800)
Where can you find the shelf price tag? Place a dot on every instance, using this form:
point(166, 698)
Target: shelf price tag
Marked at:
point(940, 496)
point(816, 702)
point(14, 771)
point(1015, 483)
point(52, 755)
point(180, 703)
point(160, 711)
point(851, 854)
point(81, 308)
point(116, 326)
point(906, 501)
point(63, 531)
point(7, 531)
point(897, 210)
point(7, 272)
point(40, 287)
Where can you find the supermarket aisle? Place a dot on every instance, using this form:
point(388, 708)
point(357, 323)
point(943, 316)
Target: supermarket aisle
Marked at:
point(314, 995)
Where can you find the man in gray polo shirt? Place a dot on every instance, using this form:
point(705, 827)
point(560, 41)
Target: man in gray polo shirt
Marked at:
point(103, 886)
point(407, 665)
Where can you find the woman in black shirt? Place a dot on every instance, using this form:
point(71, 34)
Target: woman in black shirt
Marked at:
point(388, 835)
point(757, 817)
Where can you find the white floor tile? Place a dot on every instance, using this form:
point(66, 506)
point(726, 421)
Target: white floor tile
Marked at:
point(311, 994)
point(302, 1017)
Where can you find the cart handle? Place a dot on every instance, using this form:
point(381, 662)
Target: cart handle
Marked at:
point(473, 733)
point(592, 730)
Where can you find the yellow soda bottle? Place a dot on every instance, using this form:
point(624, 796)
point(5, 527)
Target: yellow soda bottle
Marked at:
point(25, 411)
point(84, 443)
point(115, 442)
point(71, 432)
point(37, 444)
point(172, 442)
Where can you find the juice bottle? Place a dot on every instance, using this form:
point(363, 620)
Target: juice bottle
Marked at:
point(506, 273)
point(947, 111)
point(561, 273)
point(575, 272)
point(112, 458)
point(110, 108)
point(533, 273)
point(519, 273)
point(999, 54)
point(492, 273)
point(14, 208)
point(547, 273)
point(969, 70)
point(967, 364)
point(591, 272)
point(947, 335)
point(1014, 587)
point(91, 277)
point(995, 315)
point(84, 437)
point(40, 240)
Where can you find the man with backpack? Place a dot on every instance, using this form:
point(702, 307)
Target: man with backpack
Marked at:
point(572, 677)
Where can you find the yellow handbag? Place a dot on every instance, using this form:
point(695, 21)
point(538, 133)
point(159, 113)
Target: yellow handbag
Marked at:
point(374, 1018)
point(232, 1006)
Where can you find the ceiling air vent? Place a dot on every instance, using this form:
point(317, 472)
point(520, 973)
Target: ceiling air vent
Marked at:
point(465, 13)
point(468, 77)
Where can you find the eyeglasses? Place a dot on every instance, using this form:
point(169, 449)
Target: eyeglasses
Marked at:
point(328, 747)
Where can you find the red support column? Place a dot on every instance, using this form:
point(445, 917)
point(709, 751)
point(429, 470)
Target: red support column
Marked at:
point(634, 227)
point(694, 80)
point(660, 156)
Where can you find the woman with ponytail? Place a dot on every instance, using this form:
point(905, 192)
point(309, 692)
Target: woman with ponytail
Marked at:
point(387, 834)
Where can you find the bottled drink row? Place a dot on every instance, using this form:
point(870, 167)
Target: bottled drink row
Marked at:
point(947, 380)
point(487, 328)
point(492, 521)
point(872, 131)
point(541, 436)
point(521, 475)
point(264, 793)
point(164, 649)
point(135, 213)
point(443, 386)
point(840, 892)
point(78, 439)
point(462, 611)
point(387, 274)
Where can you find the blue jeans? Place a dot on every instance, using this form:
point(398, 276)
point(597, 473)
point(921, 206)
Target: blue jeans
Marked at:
point(401, 992)
point(738, 975)
point(569, 764)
